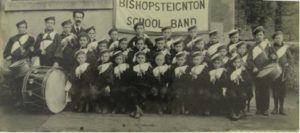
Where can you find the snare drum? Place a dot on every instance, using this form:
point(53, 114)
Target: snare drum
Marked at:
point(20, 68)
point(270, 72)
point(44, 89)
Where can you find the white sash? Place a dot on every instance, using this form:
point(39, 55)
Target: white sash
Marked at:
point(225, 59)
point(196, 70)
point(244, 58)
point(46, 43)
point(118, 70)
point(19, 43)
point(232, 47)
point(213, 49)
point(180, 70)
point(215, 74)
point(281, 51)
point(125, 53)
point(113, 45)
point(257, 50)
point(236, 74)
point(160, 70)
point(141, 68)
point(103, 67)
point(81, 68)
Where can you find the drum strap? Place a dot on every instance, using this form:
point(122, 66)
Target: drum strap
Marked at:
point(260, 49)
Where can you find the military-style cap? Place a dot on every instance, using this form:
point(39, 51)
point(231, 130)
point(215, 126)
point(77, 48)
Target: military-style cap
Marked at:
point(258, 29)
point(103, 41)
point(112, 30)
point(198, 53)
point(21, 22)
point(123, 39)
point(90, 28)
point(192, 27)
point(198, 39)
point(180, 54)
point(213, 32)
point(241, 43)
point(140, 53)
point(277, 33)
point(178, 41)
point(165, 28)
point(104, 52)
point(116, 54)
point(215, 57)
point(233, 32)
point(69, 21)
point(159, 39)
point(49, 18)
point(79, 52)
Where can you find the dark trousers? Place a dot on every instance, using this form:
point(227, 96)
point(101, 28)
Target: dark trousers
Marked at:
point(278, 92)
point(262, 94)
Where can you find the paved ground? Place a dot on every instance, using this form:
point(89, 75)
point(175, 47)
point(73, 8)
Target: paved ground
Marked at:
point(11, 120)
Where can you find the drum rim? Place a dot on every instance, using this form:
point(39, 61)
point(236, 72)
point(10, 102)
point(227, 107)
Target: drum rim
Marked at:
point(24, 87)
point(44, 85)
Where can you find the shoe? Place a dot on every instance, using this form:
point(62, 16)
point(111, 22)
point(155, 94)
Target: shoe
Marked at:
point(281, 112)
point(265, 113)
point(275, 111)
point(258, 112)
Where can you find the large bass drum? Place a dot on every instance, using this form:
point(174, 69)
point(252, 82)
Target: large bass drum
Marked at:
point(44, 89)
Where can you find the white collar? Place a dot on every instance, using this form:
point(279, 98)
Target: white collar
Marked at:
point(141, 68)
point(160, 70)
point(104, 67)
point(119, 69)
point(196, 70)
point(81, 68)
point(180, 70)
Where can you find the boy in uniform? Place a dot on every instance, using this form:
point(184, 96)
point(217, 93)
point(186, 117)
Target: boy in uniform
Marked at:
point(213, 44)
point(262, 54)
point(218, 85)
point(141, 75)
point(161, 47)
point(234, 39)
point(121, 82)
point(199, 84)
point(91, 31)
point(139, 28)
point(279, 89)
point(47, 43)
point(126, 51)
point(180, 88)
point(113, 42)
point(161, 79)
point(240, 84)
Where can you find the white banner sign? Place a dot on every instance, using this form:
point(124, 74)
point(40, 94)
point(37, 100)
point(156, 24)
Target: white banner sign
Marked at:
point(179, 14)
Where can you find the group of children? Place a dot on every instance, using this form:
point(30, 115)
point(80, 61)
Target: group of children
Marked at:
point(177, 78)
point(179, 75)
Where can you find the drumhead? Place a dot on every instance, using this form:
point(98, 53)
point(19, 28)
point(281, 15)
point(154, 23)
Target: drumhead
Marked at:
point(55, 94)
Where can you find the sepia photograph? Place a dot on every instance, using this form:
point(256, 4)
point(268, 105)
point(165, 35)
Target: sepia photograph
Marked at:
point(149, 65)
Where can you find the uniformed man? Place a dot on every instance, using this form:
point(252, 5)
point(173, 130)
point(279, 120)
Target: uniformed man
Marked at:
point(234, 39)
point(19, 46)
point(213, 44)
point(262, 54)
point(78, 16)
point(47, 43)
point(140, 33)
point(284, 58)
point(67, 48)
